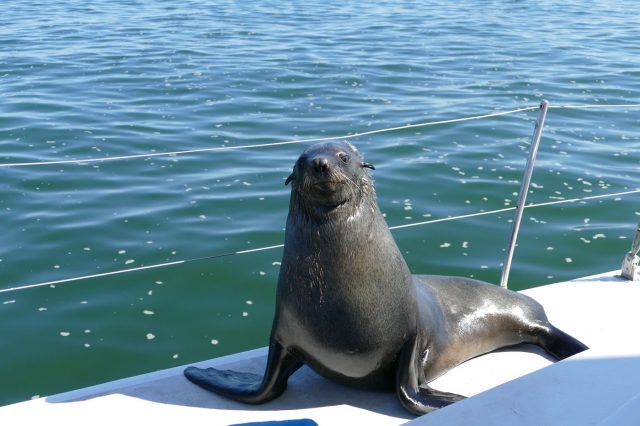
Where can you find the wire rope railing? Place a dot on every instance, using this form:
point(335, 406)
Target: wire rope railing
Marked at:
point(544, 106)
point(273, 247)
point(309, 140)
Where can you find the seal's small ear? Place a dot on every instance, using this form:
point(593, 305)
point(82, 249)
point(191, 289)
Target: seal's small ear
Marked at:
point(289, 179)
point(367, 165)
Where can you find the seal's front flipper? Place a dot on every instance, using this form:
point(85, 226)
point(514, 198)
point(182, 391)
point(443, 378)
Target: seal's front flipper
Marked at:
point(426, 399)
point(247, 387)
point(220, 380)
point(417, 397)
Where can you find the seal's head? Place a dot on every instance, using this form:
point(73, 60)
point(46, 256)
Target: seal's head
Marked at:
point(328, 178)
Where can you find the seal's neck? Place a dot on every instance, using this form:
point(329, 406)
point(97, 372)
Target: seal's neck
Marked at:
point(350, 248)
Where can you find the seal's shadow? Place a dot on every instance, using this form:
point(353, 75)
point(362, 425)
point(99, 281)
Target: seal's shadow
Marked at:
point(306, 389)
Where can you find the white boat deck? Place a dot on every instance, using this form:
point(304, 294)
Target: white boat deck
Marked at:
point(518, 386)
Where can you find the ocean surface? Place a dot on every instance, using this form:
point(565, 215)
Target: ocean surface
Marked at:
point(87, 80)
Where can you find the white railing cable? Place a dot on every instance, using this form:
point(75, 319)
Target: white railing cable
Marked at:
point(140, 268)
point(594, 106)
point(353, 135)
point(296, 141)
point(254, 250)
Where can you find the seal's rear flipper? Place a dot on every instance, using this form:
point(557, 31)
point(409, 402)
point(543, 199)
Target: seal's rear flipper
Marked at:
point(248, 387)
point(559, 344)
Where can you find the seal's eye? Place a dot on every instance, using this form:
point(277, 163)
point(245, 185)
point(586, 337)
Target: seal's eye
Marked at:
point(344, 157)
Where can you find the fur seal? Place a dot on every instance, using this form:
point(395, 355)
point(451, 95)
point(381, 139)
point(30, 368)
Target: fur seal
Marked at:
point(347, 305)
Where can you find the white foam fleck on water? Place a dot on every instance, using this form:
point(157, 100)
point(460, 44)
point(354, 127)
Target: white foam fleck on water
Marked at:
point(445, 245)
point(148, 312)
point(65, 333)
point(276, 263)
point(151, 336)
point(159, 282)
point(174, 356)
point(8, 302)
point(129, 261)
point(42, 309)
point(249, 302)
point(568, 259)
point(122, 251)
point(244, 314)
point(597, 236)
point(214, 341)
point(87, 345)
point(262, 273)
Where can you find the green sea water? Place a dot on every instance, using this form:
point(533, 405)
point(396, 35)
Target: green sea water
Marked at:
point(99, 79)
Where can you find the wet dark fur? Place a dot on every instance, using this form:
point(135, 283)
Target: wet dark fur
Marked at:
point(348, 306)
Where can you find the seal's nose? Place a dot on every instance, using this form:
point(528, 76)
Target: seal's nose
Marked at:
point(320, 164)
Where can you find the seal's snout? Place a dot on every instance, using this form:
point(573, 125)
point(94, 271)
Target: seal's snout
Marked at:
point(320, 164)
